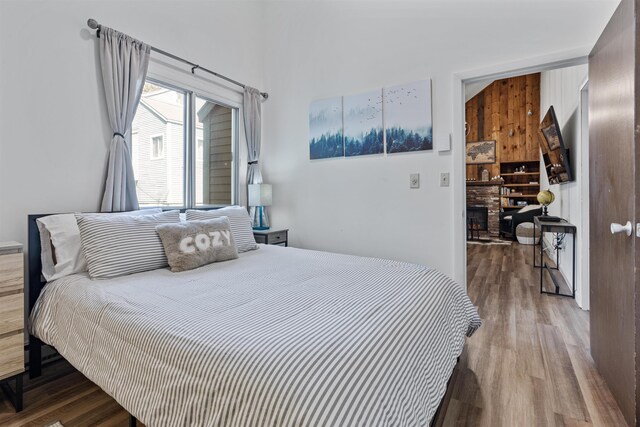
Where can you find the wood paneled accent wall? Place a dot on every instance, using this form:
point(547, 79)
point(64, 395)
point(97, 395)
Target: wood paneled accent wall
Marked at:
point(500, 113)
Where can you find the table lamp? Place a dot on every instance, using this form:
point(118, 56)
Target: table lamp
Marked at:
point(260, 195)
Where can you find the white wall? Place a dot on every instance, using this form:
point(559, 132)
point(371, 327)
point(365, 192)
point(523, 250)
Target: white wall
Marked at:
point(319, 49)
point(561, 88)
point(54, 131)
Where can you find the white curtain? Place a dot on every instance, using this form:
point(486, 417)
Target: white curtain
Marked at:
point(252, 112)
point(124, 63)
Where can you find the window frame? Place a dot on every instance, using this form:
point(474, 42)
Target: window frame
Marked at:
point(164, 146)
point(135, 136)
point(189, 139)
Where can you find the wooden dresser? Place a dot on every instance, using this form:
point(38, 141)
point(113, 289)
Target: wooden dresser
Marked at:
point(12, 319)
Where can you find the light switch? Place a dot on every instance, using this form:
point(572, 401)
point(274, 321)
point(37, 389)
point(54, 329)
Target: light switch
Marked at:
point(414, 180)
point(444, 179)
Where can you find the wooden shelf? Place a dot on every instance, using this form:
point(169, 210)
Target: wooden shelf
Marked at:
point(525, 185)
point(484, 183)
point(512, 162)
point(520, 174)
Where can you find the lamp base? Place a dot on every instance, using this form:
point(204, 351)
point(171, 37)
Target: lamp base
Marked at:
point(261, 222)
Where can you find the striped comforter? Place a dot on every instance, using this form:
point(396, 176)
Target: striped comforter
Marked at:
point(278, 337)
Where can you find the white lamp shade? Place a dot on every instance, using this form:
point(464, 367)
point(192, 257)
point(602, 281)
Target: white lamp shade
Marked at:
point(260, 195)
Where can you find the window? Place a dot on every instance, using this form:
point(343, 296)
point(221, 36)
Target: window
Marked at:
point(189, 158)
point(134, 143)
point(200, 149)
point(157, 147)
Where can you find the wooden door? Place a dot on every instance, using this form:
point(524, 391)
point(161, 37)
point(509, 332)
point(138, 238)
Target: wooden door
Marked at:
point(612, 180)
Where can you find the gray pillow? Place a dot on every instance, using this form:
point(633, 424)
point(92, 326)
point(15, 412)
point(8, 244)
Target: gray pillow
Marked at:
point(115, 245)
point(192, 244)
point(241, 227)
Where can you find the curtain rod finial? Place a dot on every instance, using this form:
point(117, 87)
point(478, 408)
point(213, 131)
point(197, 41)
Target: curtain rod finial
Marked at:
point(92, 23)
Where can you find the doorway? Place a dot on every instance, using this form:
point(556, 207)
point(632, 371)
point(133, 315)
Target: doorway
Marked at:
point(612, 344)
point(508, 162)
point(532, 347)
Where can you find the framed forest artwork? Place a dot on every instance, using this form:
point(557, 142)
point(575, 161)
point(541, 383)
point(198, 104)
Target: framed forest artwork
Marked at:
point(396, 119)
point(326, 129)
point(363, 131)
point(408, 118)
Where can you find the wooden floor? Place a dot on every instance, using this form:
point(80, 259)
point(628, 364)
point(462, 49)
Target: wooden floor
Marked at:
point(63, 394)
point(528, 365)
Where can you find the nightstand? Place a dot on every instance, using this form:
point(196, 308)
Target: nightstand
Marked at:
point(12, 320)
point(272, 236)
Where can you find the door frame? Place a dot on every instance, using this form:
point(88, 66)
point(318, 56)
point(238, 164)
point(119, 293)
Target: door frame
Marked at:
point(537, 64)
point(583, 244)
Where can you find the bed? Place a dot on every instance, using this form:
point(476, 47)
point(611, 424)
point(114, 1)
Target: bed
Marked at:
point(278, 337)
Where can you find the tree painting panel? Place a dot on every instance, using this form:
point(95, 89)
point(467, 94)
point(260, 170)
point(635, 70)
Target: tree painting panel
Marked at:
point(363, 132)
point(407, 117)
point(325, 129)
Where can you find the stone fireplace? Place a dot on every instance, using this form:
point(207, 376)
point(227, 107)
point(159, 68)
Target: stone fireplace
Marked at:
point(486, 194)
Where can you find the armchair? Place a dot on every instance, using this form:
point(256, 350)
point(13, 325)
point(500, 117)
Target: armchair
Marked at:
point(509, 221)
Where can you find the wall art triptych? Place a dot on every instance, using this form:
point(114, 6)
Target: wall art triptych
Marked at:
point(396, 119)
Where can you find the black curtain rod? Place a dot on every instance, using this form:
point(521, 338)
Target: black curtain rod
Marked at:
point(93, 24)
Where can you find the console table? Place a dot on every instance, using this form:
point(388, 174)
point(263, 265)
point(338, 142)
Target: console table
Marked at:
point(556, 227)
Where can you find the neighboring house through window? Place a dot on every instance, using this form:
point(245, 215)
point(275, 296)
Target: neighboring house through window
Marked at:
point(157, 147)
point(134, 143)
point(184, 149)
point(200, 149)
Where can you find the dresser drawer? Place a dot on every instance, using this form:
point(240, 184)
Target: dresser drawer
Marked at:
point(11, 355)
point(11, 273)
point(11, 313)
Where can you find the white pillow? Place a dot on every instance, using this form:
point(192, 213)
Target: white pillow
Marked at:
point(61, 249)
point(529, 208)
point(241, 226)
